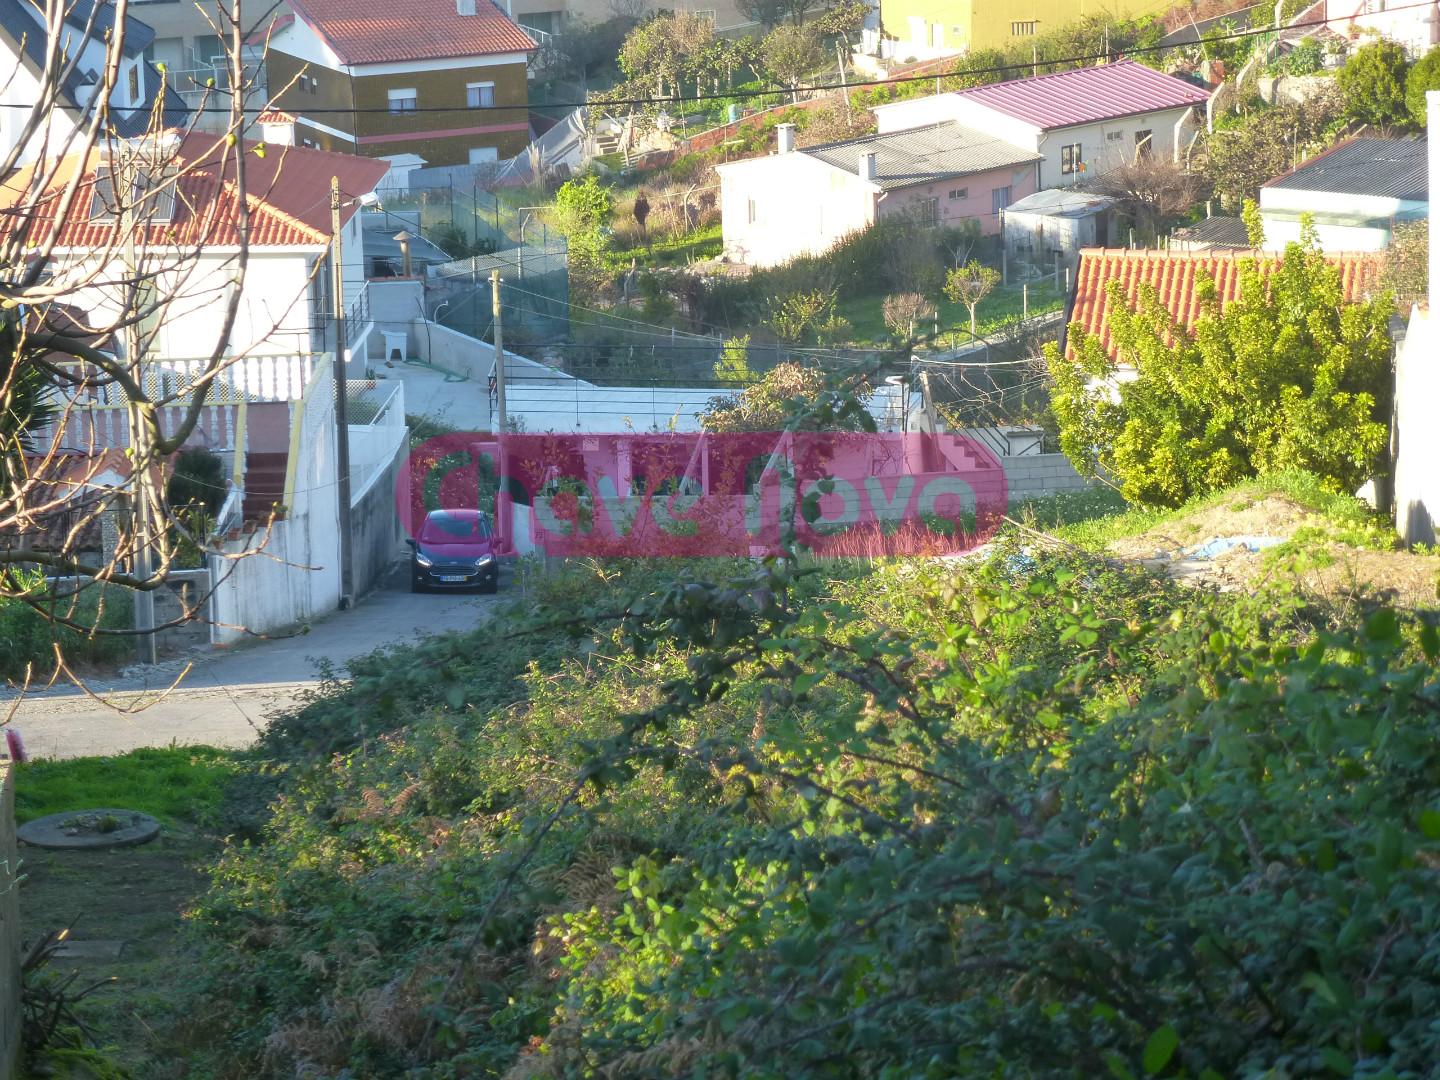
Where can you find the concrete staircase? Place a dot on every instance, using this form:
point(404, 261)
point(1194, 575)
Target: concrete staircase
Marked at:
point(264, 485)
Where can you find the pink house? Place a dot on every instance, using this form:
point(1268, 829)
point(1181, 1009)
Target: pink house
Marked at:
point(803, 202)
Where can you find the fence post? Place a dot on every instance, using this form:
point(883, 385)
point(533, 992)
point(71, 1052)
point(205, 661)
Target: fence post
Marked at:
point(1025, 300)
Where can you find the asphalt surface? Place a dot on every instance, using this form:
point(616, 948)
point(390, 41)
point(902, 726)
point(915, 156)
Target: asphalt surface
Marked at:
point(227, 697)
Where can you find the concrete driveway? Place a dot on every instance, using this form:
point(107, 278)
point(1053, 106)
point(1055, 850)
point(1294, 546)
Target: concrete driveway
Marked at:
point(226, 698)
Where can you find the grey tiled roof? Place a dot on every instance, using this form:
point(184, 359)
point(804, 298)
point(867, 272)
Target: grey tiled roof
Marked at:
point(1391, 168)
point(921, 155)
point(1216, 231)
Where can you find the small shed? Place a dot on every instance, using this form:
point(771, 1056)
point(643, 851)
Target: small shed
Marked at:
point(1059, 221)
point(1211, 234)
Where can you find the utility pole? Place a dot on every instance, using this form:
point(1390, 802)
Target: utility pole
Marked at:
point(499, 352)
point(124, 181)
point(342, 409)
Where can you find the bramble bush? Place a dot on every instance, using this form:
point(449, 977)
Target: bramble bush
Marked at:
point(1287, 376)
point(1036, 816)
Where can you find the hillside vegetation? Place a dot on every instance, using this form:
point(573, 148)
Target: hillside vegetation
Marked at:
point(1041, 814)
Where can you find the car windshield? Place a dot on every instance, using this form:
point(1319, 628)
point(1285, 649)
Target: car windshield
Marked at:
point(454, 529)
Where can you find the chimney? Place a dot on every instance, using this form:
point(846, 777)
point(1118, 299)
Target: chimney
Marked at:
point(785, 138)
point(465, 7)
point(867, 165)
point(403, 237)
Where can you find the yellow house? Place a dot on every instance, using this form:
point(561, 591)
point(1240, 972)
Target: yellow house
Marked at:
point(925, 29)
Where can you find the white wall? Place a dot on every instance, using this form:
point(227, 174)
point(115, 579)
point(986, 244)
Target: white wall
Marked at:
point(18, 92)
point(296, 575)
point(1280, 209)
point(940, 108)
point(802, 207)
point(1106, 145)
point(273, 315)
point(1417, 436)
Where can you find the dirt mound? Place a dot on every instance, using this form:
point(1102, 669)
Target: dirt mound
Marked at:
point(1329, 571)
point(1271, 515)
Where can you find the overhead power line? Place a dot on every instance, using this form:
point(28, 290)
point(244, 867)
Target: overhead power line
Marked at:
point(677, 99)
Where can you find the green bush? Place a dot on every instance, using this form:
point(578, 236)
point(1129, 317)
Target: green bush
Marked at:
point(30, 632)
point(1287, 376)
point(1038, 816)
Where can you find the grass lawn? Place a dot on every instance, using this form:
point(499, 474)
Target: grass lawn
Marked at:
point(701, 244)
point(176, 784)
point(124, 907)
point(1002, 306)
point(1097, 517)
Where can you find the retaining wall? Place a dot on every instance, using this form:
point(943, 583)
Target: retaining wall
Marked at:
point(1037, 475)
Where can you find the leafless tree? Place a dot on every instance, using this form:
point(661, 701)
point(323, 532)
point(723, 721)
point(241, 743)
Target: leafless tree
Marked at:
point(94, 259)
point(1152, 189)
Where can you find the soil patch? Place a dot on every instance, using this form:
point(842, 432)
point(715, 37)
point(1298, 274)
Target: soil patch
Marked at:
point(135, 897)
point(1333, 573)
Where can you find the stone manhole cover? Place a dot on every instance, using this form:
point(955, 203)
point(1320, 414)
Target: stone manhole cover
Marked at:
point(104, 828)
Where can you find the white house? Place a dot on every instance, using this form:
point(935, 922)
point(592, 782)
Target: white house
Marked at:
point(1059, 222)
point(1355, 193)
point(803, 202)
point(1415, 26)
point(1081, 122)
point(24, 43)
point(192, 243)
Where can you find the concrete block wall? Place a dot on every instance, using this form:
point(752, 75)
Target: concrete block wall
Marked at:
point(1037, 475)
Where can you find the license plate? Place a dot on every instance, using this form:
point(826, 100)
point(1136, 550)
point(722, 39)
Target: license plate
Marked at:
point(452, 577)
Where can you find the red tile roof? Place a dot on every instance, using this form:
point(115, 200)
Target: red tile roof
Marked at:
point(1173, 274)
point(1086, 95)
point(375, 32)
point(288, 193)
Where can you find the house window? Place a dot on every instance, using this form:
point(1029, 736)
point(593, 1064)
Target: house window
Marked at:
point(314, 85)
point(751, 214)
point(1071, 160)
point(1114, 136)
point(311, 143)
point(999, 199)
point(480, 95)
point(403, 101)
point(1023, 29)
point(1142, 144)
point(707, 14)
point(927, 212)
point(134, 84)
point(959, 193)
point(144, 204)
point(483, 155)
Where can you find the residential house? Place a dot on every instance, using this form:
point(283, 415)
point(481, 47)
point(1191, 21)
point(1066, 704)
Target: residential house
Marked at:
point(1354, 193)
point(1174, 275)
point(925, 29)
point(1415, 26)
point(1082, 123)
point(442, 78)
point(803, 202)
point(285, 300)
point(1053, 225)
point(23, 49)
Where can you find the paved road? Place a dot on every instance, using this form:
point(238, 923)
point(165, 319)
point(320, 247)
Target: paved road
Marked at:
point(227, 697)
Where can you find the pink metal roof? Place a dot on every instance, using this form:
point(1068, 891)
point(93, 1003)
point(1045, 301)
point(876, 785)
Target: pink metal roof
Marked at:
point(1086, 95)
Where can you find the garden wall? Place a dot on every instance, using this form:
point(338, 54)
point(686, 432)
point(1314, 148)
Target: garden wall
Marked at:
point(1034, 476)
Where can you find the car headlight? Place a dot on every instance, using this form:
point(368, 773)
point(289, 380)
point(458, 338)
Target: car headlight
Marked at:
point(422, 559)
point(484, 560)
